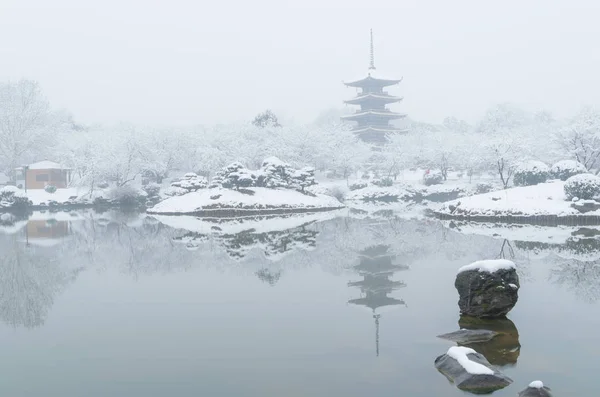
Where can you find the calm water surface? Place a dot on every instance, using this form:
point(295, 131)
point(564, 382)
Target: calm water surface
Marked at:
point(341, 304)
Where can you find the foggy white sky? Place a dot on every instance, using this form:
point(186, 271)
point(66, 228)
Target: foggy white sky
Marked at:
point(200, 61)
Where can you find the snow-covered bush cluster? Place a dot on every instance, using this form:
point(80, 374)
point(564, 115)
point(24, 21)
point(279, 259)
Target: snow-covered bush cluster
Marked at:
point(152, 189)
point(565, 169)
point(358, 185)
point(273, 174)
point(530, 173)
point(127, 196)
point(50, 189)
point(582, 187)
point(13, 197)
point(190, 182)
point(433, 178)
point(382, 182)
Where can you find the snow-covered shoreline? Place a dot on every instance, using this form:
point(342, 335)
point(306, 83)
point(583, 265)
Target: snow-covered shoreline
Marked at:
point(251, 201)
point(545, 203)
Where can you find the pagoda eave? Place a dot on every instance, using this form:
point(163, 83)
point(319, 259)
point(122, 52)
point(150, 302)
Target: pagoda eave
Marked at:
point(375, 98)
point(370, 113)
point(372, 81)
point(379, 130)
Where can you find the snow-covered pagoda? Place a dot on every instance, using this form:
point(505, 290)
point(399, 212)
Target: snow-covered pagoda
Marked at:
point(376, 267)
point(373, 118)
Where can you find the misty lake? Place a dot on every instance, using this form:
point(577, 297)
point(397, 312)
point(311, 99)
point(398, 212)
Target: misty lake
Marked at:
point(330, 304)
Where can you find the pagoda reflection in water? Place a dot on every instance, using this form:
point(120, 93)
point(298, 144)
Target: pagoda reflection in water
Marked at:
point(376, 267)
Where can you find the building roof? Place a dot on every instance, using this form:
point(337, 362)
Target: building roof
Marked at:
point(45, 165)
point(390, 130)
point(377, 113)
point(373, 97)
point(371, 80)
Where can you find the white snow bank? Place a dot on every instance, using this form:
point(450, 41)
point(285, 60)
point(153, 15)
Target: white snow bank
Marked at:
point(263, 199)
point(539, 200)
point(489, 266)
point(536, 384)
point(459, 353)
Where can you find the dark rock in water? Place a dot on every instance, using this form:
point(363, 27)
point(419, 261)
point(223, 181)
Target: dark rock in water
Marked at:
point(467, 336)
point(536, 389)
point(470, 371)
point(504, 348)
point(584, 206)
point(487, 288)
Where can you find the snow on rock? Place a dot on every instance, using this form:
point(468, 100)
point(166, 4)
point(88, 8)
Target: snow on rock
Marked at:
point(253, 200)
point(484, 288)
point(470, 371)
point(536, 389)
point(489, 266)
point(536, 384)
point(460, 354)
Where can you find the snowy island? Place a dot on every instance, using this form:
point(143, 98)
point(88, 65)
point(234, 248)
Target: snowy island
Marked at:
point(276, 188)
point(250, 201)
point(553, 202)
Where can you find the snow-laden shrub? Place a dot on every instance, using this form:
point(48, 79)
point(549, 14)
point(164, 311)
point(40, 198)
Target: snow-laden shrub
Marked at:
point(13, 197)
point(303, 178)
point(50, 189)
point(276, 173)
point(383, 182)
point(483, 187)
point(582, 187)
point(191, 182)
point(338, 193)
point(236, 176)
point(103, 185)
point(530, 173)
point(565, 169)
point(152, 189)
point(127, 196)
point(358, 185)
point(175, 191)
point(433, 178)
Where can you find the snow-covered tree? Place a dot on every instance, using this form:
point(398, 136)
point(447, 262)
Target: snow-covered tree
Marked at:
point(266, 119)
point(25, 122)
point(580, 139)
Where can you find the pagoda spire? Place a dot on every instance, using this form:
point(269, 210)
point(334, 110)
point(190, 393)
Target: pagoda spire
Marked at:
point(376, 317)
point(372, 63)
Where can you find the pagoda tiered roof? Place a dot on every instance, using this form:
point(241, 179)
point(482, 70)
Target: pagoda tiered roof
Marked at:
point(374, 301)
point(387, 114)
point(371, 81)
point(375, 97)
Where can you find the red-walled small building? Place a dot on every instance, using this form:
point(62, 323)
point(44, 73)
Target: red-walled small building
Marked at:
point(41, 174)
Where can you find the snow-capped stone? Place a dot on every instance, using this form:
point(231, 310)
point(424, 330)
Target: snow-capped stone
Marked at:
point(484, 288)
point(538, 384)
point(536, 389)
point(470, 371)
point(489, 266)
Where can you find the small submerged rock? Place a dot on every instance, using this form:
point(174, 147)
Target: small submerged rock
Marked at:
point(487, 288)
point(467, 336)
point(536, 389)
point(470, 371)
